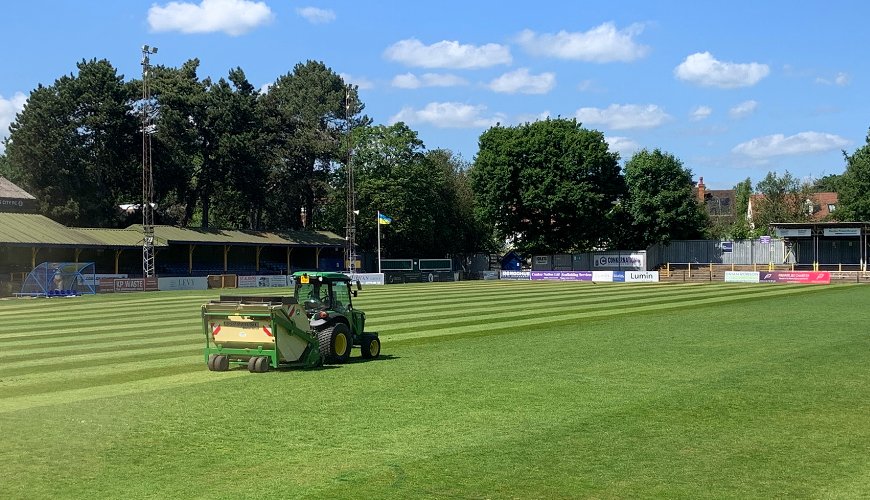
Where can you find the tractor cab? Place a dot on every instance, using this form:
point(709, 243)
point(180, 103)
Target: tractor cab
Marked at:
point(327, 298)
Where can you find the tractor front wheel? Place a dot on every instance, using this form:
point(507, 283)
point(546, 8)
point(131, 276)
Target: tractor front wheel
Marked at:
point(370, 346)
point(335, 343)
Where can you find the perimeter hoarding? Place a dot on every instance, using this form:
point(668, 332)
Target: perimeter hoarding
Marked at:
point(515, 275)
point(614, 276)
point(183, 283)
point(267, 281)
point(803, 277)
point(742, 277)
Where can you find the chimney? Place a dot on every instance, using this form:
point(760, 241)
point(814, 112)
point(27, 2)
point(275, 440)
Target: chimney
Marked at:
point(702, 191)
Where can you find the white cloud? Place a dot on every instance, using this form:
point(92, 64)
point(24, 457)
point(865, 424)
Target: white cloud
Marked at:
point(447, 54)
point(700, 113)
point(780, 145)
point(448, 115)
point(841, 80)
point(521, 81)
point(233, 17)
point(743, 109)
point(703, 69)
point(360, 81)
point(601, 44)
point(412, 81)
point(622, 145)
point(624, 116)
point(316, 16)
point(8, 109)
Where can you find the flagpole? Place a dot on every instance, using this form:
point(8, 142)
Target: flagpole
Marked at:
point(378, 223)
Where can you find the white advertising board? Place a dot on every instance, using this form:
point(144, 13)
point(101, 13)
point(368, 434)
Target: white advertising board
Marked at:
point(368, 278)
point(793, 233)
point(741, 276)
point(182, 283)
point(272, 281)
point(641, 276)
point(602, 276)
point(842, 231)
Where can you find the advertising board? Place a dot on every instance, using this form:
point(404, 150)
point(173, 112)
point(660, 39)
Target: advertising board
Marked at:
point(368, 278)
point(842, 231)
point(742, 277)
point(641, 276)
point(183, 283)
point(110, 285)
point(804, 277)
point(634, 260)
point(269, 281)
point(516, 275)
point(602, 276)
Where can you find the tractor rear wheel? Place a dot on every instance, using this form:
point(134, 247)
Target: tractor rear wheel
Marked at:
point(370, 346)
point(335, 343)
point(221, 363)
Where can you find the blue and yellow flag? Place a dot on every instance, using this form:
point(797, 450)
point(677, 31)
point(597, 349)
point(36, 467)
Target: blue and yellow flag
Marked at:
point(383, 219)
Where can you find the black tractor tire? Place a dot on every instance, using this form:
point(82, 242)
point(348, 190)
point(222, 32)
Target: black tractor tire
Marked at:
point(333, 339)
point(221, 363)
point(252, 364)
point(210, 362)
point(370, 345)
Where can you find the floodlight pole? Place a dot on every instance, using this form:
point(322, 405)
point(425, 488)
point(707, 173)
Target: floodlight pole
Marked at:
point(147, 170)
point(350, 225)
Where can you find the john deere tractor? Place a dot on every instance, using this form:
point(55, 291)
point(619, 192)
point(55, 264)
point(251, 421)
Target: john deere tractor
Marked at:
point(326, 298)
point(317, 325)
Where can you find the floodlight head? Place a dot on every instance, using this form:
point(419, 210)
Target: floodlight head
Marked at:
point(149, 49)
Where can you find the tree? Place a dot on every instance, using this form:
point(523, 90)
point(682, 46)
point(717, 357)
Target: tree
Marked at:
point(783, 199)
point(307, 117)
point(74, 146)
point(854, 194)
point(740, 229)
point(828, 184)
point(660, 200)
point(422, 191)
point(547, 185)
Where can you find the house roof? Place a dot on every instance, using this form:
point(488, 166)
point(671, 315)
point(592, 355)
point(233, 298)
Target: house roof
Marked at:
point(821, 203)
point(10, 190)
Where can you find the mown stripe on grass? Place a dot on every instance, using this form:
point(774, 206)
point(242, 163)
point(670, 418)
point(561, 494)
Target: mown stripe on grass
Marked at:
point(115, 390)
point(570, 317)
point(95, 381)
point(38, 365)
point(108, 347)
point(108, 371)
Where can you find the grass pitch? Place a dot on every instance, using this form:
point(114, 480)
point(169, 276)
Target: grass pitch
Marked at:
point(484, 390)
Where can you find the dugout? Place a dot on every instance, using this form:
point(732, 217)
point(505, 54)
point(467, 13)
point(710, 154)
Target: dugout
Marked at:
point(833, 246)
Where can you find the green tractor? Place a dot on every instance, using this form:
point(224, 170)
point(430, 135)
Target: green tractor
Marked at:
point(317, 325)
point(327, 299)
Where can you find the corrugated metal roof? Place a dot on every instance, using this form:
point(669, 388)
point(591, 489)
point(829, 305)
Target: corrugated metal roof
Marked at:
point(173, 234)
point(117, 237)
point(35, 229)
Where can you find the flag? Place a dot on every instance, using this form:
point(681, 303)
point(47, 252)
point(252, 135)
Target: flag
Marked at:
point(383, 219)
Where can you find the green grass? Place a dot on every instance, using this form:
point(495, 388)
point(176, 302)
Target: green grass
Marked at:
point(484, 390)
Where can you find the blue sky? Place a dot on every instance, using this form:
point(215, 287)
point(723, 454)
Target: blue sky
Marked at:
point(734, 89)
